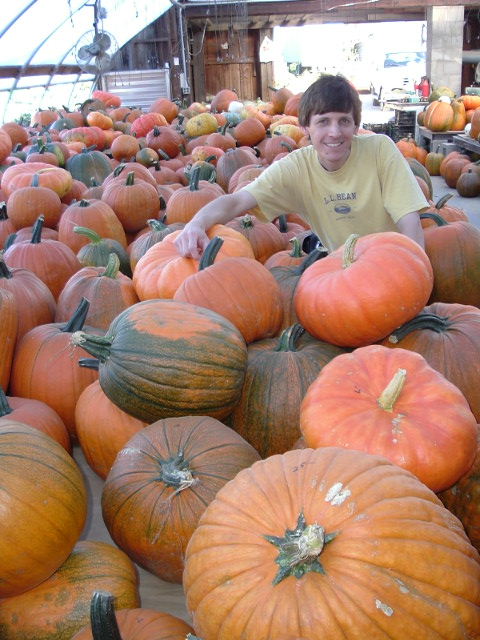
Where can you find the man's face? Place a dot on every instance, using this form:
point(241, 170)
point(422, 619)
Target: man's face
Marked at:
point(331, 135)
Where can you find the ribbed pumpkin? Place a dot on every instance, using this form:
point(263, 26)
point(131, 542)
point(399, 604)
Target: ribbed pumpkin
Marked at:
point(43, 504)
point(265, 237)
point(102, 428)
point(391, 402)
point(287, 278)
point(93, 214)
point(8, 334)
point(438, 116)
point(448, 212)
point(132, 624)
point(20, 175)
point(240, 289)
point(186, 201)
point(463, 500)
point(161, 358)
point(156, 232)
point(51, 260)
point(134, 201)
point(34, 300)
point(160, 484)
point(350, 297)
point(453, 252)
point(296, 538)
point(98, 251)
point(448, 337)
point(27, 203)
point(60, 606)
point(162, 269)
point(45, 366)
point(108, 291)
point(279, 372)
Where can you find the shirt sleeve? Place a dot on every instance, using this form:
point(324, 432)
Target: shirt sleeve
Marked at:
point(400, 190)
point(277, 190)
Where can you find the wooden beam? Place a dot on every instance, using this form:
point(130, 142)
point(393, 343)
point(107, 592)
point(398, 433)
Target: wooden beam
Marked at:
point(39, 70)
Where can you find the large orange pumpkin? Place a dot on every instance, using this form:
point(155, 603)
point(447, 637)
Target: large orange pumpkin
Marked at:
point(330, 543)
point(351, 297)
point(390, 402)
point(43, 504)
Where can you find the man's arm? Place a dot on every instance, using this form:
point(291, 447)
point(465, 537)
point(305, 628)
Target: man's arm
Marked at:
point(193, 239)
point(410, 226)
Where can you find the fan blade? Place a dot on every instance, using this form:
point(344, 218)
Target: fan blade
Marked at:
point(103, 62)
point(84, 53)
point(103, 41)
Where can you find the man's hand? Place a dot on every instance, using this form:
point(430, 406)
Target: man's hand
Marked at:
point(192, 241)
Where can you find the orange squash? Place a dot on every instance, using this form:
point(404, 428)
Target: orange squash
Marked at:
point(439, 116)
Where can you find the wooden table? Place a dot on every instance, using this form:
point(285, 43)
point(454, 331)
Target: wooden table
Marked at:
point(430, 137)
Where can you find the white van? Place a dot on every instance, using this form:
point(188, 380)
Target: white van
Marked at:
point(401, 71)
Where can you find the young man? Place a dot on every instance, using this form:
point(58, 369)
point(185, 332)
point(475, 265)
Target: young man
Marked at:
point(340, 184)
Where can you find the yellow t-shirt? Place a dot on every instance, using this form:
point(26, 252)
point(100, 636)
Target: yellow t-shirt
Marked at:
point(370, 193)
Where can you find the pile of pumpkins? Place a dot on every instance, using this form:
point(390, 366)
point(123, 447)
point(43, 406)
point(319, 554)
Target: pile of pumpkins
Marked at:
point(293, 437)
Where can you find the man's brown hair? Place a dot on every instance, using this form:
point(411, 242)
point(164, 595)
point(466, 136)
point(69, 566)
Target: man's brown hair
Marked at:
point(330, 93)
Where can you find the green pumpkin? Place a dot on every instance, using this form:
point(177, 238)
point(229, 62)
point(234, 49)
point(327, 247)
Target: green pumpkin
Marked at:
point(89, 164)
point(161, 358)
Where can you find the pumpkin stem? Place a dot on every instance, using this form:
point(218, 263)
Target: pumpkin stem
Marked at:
point(112, 267)
point(210, 253)
point(443, 200)
point(78, 318)
point(3, 211)
point(4, 270)
point(5, 408)
point(421, 321)
point(439, 221)
point(35, 180)
point(296, 248)
point(288, 338)
point(37, 230)
point(97, 346)
point(130, 179)
point(102, 617)
point(175, 473)
point(9, 241)
point(156, 225)
point(84, 203)
point(194, 179)
point(393, 389)
point(90, 233)
point(312, 257)
point(282, 223)
point(300, 549)
point(349, 250)
point(88, 363)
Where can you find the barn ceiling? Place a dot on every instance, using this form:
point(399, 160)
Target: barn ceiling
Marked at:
point(217, 14)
